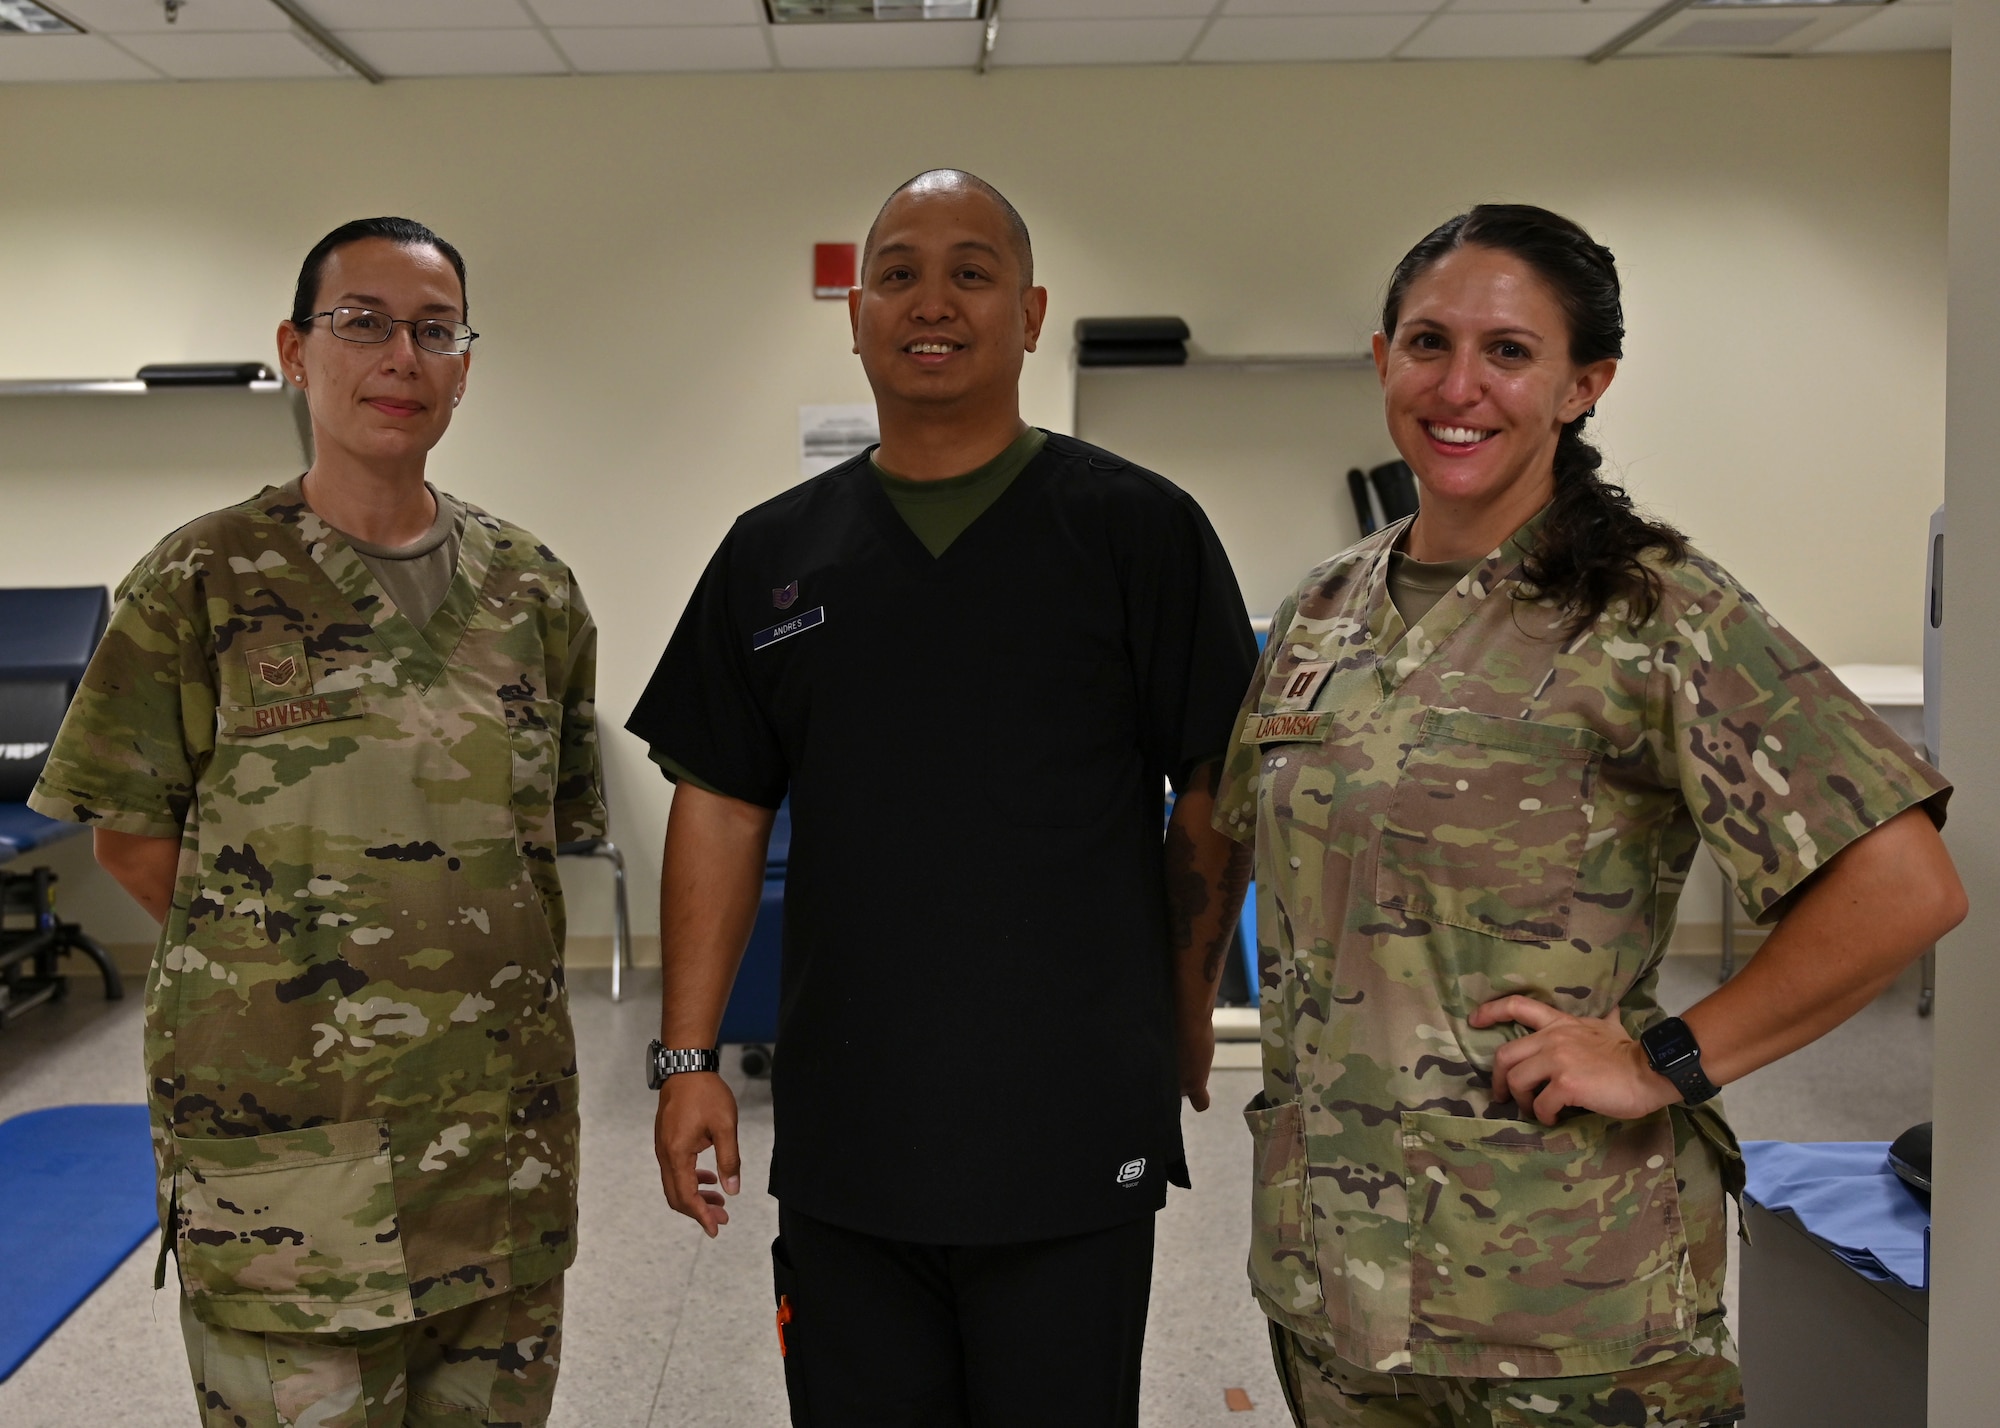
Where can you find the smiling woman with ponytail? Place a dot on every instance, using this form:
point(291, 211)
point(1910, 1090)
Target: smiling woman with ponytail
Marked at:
point(1591, 544)
point(1481, 754)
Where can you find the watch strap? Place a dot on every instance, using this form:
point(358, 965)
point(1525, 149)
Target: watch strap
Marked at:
point(664, 1061)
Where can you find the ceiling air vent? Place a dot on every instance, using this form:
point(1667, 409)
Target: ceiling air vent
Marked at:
point(1739, 27)
point(23, 17)
point(794, 12)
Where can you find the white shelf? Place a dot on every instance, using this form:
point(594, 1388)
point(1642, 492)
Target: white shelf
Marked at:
point(133, 387)
point(1267, 362)
point(118, 387)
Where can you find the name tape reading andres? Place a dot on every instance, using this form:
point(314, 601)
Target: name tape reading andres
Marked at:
point(798, 624)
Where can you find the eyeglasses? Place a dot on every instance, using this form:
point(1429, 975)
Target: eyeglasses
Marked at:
point(433, 334)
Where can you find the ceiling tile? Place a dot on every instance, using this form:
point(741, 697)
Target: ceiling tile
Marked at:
point(656, 49)
point(1476, 7)
point(238, 56)
point(1093, 41)
point(1544, 35)
point(880, 44)
point(648, 12)
point(1305, 37)
point(1103, 10)
point(131, 17)
point(1905, 25)
point(413, 53)
point(65, 57)
point(1330, 7)
point(419, 14)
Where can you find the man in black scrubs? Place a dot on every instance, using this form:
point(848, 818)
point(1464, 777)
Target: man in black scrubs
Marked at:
point(969, 657)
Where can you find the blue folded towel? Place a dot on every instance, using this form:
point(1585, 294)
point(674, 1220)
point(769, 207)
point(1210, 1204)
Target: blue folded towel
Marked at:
point(1846, 1196)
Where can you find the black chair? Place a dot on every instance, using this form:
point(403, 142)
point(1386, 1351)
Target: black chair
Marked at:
point(46, 640)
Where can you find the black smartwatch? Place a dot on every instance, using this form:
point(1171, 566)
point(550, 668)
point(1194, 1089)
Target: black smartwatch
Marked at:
point(662, 1063)
point(1676, 1055)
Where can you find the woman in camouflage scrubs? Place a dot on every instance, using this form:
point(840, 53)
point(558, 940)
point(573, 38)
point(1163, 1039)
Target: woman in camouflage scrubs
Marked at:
point(331, 741)
point(1479, 759)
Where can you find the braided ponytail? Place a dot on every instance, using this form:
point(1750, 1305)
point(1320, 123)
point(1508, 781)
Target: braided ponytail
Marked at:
point(1591, 546)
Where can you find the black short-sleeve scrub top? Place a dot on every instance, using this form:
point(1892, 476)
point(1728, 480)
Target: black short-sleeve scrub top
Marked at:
point(975, 1032)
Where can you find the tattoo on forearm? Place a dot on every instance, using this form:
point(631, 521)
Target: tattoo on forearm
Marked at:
point(1192, 891)
point(1187, 889)
point(1235, 878)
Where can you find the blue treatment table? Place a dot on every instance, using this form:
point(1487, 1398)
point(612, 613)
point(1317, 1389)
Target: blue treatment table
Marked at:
point(46, 640)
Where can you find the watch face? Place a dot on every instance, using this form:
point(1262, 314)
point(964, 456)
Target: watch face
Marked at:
point(1671, 1041)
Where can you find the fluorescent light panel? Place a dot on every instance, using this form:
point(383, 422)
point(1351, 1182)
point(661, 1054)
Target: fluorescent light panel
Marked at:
point(24, 17)
point(795, 12)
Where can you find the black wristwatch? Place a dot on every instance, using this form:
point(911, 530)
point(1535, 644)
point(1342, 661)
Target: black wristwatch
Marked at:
point(662, 1063)
point(1676, 1055)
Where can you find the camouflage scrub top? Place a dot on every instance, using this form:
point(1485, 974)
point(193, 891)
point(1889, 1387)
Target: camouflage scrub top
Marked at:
point(358, 1044)
point(1474, 807)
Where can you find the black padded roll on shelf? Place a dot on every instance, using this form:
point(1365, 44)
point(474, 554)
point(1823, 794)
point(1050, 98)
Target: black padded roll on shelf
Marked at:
point(1131, 342)
point(204, 374)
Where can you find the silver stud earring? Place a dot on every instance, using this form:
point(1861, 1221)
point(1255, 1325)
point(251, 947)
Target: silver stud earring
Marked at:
point(455, 399)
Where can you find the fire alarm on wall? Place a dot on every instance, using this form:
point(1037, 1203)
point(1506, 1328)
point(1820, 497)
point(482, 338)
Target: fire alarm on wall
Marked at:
point(833, 269)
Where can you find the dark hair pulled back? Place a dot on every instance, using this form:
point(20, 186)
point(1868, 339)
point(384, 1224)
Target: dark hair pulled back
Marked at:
point(1592, 542)
point(405, 231)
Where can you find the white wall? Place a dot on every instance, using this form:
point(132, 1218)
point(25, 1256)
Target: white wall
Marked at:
point(640, 252)
point(1965, 1246)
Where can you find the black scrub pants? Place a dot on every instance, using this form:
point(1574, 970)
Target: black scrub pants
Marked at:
point(888, 1334)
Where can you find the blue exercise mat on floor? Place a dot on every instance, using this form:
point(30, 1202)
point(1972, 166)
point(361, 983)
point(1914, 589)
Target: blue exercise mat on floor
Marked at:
point(1845, 1196)
point(76, 1197)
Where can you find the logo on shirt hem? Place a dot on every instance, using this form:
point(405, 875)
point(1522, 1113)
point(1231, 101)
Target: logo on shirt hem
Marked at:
point(1131, 1171)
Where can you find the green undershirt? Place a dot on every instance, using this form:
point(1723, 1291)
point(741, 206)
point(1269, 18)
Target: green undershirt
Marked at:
point(1415, 586)
point(938, 513)
point(417, 576)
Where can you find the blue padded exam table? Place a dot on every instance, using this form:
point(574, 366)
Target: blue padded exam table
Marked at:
point(46, 640)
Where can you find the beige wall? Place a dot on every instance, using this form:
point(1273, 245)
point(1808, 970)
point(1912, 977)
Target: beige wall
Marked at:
point(639, 254)
point(1965, 1248)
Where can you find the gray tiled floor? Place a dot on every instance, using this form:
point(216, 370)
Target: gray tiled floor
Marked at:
point(668, 1330)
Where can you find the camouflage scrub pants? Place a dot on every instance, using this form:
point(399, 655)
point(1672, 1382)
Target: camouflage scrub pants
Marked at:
point(491, 1363)
point(1327, 1392)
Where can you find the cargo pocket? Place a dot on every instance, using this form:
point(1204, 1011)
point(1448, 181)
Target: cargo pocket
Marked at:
point(303, 1216)
point(1284, 1266)
point(1487, 825)
point(1564, 1240)
point(542, 1159)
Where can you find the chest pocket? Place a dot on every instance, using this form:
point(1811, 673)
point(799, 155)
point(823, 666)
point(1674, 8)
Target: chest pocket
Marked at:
point(1487, 826)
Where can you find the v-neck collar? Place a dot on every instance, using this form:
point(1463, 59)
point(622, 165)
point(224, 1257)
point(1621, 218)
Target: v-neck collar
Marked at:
point(1405, 650)
point(882, 510)
point(419, 655)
